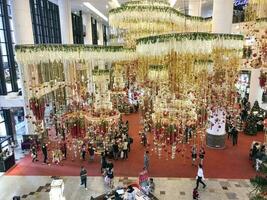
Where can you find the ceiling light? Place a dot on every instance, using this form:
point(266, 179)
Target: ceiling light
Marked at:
point(172, 2)
point(95, 10)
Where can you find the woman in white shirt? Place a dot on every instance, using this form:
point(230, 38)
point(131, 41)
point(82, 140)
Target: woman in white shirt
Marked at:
point(125, 149)
point(200, 176)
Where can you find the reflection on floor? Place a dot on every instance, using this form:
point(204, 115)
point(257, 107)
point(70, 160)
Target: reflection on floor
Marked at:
point(38, 187)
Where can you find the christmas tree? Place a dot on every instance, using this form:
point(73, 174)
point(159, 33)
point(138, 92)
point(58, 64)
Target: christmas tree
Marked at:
point(256, 114)
point(251, 125)
point(259, 182)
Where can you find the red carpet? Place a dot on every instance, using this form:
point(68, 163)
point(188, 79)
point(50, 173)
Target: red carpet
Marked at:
point(230, 163)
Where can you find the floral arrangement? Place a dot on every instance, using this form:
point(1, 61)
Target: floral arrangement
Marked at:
point(194, 43)
point(262, 79)
point(38, 107)
point(145, 18)
point(32, 54)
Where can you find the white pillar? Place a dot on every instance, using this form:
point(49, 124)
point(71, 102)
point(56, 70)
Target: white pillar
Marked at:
point(22, 21)
point(100, 33)
point(87, 21)
point(65, 21)
point(21, 14)
point(194, 7)
point(222, 16)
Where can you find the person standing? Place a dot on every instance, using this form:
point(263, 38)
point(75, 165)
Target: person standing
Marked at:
point(130, 141)
point(194, 154)
point(229, 130)
point(65, 149)
point(131, 193)
point(144, 139)
point(125, 149)
point(91, 151)
point(83, 151)
point(234, 135)
point(146, 160)
point(83, 175)
point(44, 150)
point(200, 177)
point(34, 153)
point(103, 163)
point(201, 155)
point(115, 149)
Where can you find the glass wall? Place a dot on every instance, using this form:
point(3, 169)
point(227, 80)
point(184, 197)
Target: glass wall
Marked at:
point(77, 27)
point(94, 31)
point(9, 74)
point(2, 124)
point(45, 22)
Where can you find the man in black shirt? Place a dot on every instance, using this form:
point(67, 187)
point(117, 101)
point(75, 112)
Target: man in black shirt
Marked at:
point(44, 150)
point(234, 135)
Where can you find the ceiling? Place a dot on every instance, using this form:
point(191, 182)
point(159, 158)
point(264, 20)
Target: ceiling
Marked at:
point(103, 6)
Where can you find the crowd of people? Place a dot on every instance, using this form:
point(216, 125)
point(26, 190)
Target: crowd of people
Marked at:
point(116, 146)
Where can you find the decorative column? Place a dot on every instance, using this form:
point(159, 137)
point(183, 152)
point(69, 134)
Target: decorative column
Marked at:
point(195, 7)
point(100, 33)
point(65, 21)
point(222, 16)
point(22, 20)
point(67, 38)
point(21, 14)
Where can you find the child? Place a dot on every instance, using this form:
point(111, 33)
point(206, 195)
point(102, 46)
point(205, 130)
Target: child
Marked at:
point(195, 194)
point(151, 185)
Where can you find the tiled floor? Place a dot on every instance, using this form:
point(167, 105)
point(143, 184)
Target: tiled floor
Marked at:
point(38, 188)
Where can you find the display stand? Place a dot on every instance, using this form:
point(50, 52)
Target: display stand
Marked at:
point(139, 195)
point(57, 189)
point(216, 135)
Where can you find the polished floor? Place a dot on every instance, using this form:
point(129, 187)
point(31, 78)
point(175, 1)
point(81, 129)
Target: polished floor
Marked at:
point(230, 163)
point(38, 188)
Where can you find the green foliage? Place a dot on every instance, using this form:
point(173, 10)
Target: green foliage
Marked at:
point(259, 182)
point(251, 125)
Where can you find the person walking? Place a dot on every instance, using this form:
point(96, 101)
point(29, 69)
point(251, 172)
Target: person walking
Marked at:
point(44, 150)
point(200, 177)
point(234, 136)
point(83, 175)
point(109, 178)
point(146, 160)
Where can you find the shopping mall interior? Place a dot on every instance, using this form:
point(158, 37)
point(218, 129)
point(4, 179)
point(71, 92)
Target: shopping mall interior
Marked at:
point(133, 99)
